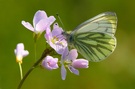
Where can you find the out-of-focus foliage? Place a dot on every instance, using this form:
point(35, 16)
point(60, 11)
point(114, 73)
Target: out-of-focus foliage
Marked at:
point(116, 72)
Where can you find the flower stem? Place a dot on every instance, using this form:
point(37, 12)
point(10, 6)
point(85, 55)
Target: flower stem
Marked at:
point(45, 53)
point(21, 73)
point(35, 47)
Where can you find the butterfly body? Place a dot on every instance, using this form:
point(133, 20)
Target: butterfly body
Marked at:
point(94, 39)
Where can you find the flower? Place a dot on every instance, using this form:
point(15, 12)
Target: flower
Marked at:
point(20, 52)
point(55, 39)
point(40, 22)
point(69, 60)
point(50, 63)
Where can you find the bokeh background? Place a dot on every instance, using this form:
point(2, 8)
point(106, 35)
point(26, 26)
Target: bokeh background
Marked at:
point(116, 72)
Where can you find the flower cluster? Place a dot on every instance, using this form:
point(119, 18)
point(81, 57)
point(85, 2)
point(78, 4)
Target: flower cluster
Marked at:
point(54, 37)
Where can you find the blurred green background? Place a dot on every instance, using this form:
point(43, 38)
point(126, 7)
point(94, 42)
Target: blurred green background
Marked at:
point(116, 72)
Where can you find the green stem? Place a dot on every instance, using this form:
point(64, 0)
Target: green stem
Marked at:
point(21, 73)
point(45, 53)
point(35, 47)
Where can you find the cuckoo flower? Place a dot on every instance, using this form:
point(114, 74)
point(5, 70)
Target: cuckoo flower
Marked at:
point(50, 63)
point(20, 52)
point(40, 22)
point(69, 60)
point(55, 39)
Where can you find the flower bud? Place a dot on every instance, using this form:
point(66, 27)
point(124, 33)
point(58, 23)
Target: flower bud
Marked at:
point(80, 63)
point(50, 63)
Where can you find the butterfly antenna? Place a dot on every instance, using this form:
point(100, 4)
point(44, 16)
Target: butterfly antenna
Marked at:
point(60, 20)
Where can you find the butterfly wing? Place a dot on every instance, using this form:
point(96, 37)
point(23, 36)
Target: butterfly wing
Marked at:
point(94, 39)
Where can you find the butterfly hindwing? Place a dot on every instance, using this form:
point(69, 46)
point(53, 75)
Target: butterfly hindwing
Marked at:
point(94, 46)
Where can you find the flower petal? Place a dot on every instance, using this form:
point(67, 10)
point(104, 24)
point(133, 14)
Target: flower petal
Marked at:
point(60, 48)
point(65, 53)
point(51, 19)
point(38, 16)
point(73, 54)
point(19, 48)
point(73, 70)
point(63, 72)
point(48, 34)
point(41, 25)
point(56, 30)
point(25, 53)
point(27, 25)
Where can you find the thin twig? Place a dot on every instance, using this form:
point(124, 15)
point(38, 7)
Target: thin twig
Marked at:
point(45, 53)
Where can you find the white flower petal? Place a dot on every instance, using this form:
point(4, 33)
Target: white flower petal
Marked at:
point(65, 53)
point(41, 25)
point(51, 19)
point(19, 48)
point(73, 70)
point(39, 15)
point(72, 54)
point(25, 53)
point(63, 72)
point(28, 25)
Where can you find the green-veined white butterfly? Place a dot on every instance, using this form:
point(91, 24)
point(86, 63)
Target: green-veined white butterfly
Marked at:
point(94, 39)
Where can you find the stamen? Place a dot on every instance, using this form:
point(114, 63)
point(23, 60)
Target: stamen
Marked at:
point(54, 39)
point(60, 37)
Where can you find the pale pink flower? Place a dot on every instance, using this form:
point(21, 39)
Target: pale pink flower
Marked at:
point(69, 60)
point(40, 22)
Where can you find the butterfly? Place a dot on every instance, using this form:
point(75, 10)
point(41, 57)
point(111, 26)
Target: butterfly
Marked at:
point(94, 39)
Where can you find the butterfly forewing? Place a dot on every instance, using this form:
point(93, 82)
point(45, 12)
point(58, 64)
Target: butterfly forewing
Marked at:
point(94, 39)
point(104, 23)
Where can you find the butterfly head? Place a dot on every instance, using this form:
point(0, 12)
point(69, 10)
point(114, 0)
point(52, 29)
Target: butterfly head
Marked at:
point(68, 37)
